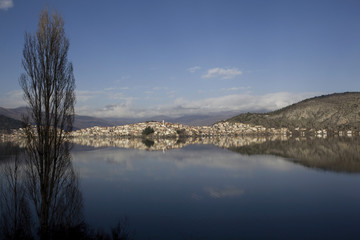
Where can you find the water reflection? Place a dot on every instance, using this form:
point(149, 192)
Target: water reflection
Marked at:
point(15, 214)
point(173, 143)
point(340, 154)
point(46, 203)
point(203, 192)
point(49, 198)
point(196, 190)
point(224, 192)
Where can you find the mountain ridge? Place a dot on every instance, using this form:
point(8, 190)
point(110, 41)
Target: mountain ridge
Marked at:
point(8, 123)
point(336, 111)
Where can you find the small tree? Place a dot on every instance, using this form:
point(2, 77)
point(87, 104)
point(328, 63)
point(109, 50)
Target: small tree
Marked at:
point(148, 130)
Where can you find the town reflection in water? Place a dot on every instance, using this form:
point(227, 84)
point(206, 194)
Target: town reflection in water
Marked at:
point(21, 201)
point(339, 154)
point(163, 144)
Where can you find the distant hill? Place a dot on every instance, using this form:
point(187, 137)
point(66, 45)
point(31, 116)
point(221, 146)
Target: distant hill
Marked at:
point(80, 121)
point(7, 123)
point(335, 111)
point(15, 113)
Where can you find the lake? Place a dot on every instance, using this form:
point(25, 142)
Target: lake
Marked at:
point(244, 188)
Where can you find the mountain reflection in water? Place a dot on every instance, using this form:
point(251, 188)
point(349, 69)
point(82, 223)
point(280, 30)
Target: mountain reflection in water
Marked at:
point(339, 154)
point(193, 188)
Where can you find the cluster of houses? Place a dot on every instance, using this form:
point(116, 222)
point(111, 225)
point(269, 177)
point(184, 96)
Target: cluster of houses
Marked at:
point(165, 129)
point(175, 130)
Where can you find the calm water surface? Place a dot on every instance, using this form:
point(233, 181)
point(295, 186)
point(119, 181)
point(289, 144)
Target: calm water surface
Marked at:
point(207, 192)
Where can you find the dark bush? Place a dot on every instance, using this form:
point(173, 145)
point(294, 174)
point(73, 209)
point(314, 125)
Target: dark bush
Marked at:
point(147, 131)
point(181, 132)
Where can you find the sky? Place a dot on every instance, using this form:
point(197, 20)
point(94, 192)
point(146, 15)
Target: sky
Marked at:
point(142, 58)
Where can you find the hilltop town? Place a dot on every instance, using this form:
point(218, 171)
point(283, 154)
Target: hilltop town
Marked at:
point(166, 129)
point(334, 114)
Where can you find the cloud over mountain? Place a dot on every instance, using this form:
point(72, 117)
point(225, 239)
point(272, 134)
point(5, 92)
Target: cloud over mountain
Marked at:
point(180, 106)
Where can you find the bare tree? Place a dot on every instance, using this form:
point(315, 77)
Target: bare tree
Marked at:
point(48, 84)
point(50, 180)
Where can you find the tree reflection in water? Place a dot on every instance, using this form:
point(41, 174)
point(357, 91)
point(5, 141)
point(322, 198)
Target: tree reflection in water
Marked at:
point(23, 206)
point(15, 221)
point(54, 191)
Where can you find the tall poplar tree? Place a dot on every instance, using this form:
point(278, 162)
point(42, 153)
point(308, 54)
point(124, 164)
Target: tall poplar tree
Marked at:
point(48, 84)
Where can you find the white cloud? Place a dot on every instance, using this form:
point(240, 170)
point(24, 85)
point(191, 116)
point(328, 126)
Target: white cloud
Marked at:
point(193, 69)
point(236, 88)
point(90, 103)
point(109, 89)
point(13, 99)
point(223, 73)
point(160, 88)
point(85, 95)
point(6, 4)
point(122, 79)
point(125, 109)
point(229, 103)
point(113, 103)
point(242, 102)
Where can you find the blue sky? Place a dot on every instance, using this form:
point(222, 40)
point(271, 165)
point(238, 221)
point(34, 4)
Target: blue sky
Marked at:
point(143, 58)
